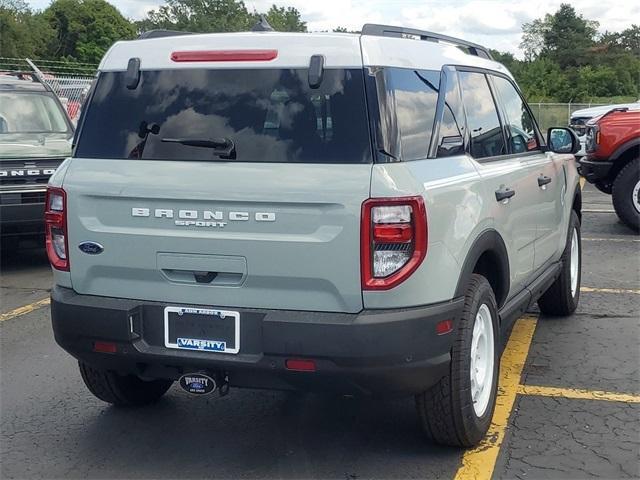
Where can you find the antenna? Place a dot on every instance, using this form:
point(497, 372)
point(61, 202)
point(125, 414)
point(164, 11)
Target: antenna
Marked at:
point(262, 25)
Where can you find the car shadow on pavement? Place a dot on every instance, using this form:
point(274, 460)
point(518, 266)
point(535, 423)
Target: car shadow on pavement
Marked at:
point(271, 434)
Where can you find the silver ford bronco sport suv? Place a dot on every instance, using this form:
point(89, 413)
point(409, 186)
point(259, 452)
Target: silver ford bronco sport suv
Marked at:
point(363, 214)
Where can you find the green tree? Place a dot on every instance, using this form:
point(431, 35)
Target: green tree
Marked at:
point(283, 19)
point(85, 29)
point(22, 33)
point(218, 16)
point(565, 37)
point(533, 34)
point(199, 16)
point(567, 61)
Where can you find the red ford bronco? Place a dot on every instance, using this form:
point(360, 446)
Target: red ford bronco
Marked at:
point(612, 163)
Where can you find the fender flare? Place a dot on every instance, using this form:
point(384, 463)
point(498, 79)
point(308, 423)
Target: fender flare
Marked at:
point(622, 149)
point(487, 241)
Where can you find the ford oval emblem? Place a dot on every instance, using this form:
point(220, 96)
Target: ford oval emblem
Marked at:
point(92, 248)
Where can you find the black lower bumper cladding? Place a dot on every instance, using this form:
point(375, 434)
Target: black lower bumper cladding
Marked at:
point(374, 352)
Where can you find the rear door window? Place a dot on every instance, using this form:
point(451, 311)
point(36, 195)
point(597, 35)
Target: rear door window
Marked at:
point(263, 115)
point(487, 138)
point(519, 121)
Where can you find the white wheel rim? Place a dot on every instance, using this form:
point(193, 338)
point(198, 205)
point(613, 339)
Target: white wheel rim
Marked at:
point(635, 196)
point(482, 360)
point(574, 267)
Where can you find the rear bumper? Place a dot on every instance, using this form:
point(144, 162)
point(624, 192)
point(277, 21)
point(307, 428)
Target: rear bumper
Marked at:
point(595, 170)
point(381, 352)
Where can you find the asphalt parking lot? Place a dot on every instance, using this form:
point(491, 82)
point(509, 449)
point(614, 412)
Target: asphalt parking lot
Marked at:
point(569, 404)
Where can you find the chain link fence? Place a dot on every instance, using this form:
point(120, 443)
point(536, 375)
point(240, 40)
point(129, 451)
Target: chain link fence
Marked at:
point(69, 81)
point(557, 114)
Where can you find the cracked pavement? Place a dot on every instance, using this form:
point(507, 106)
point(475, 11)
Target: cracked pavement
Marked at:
point(51, 427)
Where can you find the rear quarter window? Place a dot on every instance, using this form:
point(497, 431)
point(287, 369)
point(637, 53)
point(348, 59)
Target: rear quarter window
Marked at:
point(270, 115)
point(416, 96)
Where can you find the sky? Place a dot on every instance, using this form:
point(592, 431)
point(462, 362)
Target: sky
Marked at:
point(493, 23)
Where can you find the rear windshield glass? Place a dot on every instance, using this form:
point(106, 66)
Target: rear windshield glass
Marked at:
point(249, 115)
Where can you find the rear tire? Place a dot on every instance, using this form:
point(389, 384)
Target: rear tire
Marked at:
point(626, 194)
point(447, 411)
point(562, 297)
point(122, 390)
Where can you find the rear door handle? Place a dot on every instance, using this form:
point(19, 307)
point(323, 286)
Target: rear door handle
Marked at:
point(543, 180)
point(504, 193)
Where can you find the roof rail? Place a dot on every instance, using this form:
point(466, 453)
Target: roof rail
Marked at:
point(161, 33)
point(402, 32)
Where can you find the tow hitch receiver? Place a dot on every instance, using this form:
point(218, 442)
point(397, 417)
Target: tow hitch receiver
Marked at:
point(203, 384)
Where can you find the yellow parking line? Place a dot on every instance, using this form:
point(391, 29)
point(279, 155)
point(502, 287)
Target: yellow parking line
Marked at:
point(24, 310)
point(478, 464)
point(576, 393)
point(582, 182)
point(598, 210)
point(609, 290)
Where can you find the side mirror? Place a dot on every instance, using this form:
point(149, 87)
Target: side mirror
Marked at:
point(563, 140)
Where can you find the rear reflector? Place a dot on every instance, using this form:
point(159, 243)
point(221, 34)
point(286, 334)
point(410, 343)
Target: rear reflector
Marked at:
point(443, 327)
point(105, 347)
point(300, 365)
point(225, 56)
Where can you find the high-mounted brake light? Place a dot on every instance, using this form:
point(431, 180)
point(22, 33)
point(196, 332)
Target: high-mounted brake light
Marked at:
point(393, 240)
point(225, 56)
point(55, 220)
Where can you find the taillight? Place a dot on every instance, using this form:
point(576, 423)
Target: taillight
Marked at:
point(393, 240)
point(55, 220)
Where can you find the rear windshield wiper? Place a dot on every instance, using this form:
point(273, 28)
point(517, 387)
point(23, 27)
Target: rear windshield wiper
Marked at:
point(226, 147)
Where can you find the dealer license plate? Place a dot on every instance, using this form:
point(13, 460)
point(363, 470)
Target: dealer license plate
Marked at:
point(202, 329)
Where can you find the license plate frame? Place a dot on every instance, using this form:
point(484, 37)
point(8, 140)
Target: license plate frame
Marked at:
point(199, 345)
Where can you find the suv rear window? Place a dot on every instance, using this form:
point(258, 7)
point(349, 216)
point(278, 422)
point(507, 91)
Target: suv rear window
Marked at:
point(268, 115)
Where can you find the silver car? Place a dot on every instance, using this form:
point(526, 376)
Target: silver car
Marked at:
point(362, 214)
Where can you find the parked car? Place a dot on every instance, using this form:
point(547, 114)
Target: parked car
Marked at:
point(579, 120)
point(612, 163)
point(35, 136)
point(361, 214)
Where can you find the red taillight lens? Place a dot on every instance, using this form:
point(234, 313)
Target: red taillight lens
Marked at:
point(55, 220)
point(393, 240)
point(225, 56)
point(393, 233)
